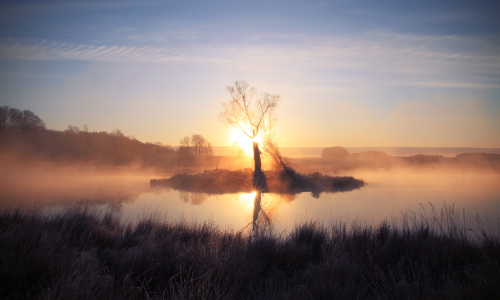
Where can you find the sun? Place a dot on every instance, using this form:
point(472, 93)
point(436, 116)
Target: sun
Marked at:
point(247, 199)
point(244, 141)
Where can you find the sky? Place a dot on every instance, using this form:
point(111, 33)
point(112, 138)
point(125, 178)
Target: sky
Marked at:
point(349, 73)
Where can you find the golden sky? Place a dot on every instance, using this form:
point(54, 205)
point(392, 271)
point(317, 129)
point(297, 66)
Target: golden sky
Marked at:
point(349, 73)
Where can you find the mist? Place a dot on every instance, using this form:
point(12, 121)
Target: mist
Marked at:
point(45, 168)
point(121, 199)
point(125, 185)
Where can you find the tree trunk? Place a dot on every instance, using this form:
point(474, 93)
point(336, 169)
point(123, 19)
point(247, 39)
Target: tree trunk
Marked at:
point(256, 158)
point(256, 210)
point(259, 178)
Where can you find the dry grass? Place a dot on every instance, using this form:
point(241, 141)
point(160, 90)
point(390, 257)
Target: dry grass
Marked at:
point(86, 253)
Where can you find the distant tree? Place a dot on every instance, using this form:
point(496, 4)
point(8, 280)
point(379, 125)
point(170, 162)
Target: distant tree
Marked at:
point(251, 112)
point(201, 147)
point(15, 119)
point(4, 116)
point(73, 129)
point(197, 145)
point(334, 152)
point(185, 147)
point(117, 132)
point(31, 121)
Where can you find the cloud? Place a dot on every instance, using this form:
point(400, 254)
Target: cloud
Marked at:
point(382, 58)
point(50, 50)
point(418, 60)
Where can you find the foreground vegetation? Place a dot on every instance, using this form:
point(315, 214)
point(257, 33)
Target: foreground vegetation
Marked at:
point(85, 253)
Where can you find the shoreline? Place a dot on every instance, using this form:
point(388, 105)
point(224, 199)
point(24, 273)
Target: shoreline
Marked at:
point(302, 152)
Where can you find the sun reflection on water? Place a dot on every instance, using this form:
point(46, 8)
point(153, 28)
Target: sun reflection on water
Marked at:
point(247, 199)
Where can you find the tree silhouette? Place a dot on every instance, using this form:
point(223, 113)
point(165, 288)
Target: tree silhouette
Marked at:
point(252, 113)
point(196, 146)
point(201, 147)
point(13, 118)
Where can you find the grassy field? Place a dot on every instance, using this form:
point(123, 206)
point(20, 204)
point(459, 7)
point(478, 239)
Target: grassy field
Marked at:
point(87, 253)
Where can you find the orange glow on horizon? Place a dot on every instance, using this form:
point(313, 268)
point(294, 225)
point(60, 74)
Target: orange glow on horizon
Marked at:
point(244, 141)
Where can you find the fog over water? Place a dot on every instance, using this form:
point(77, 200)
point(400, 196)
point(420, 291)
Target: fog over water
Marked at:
point(387, 194)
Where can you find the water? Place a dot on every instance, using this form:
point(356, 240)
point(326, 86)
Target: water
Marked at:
point(386, 195)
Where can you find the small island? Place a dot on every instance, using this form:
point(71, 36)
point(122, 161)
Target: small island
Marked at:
point(221, 181)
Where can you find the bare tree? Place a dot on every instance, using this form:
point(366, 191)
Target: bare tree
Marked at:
point(73, 129)
point(185, 148)
point(13, 118)
point(201, 147)
point(117, 132)
point(251, 112)
point(197, 145)
point(4, 116)
point(32, 121)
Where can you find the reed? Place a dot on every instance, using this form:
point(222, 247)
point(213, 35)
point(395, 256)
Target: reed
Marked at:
point(84, 252)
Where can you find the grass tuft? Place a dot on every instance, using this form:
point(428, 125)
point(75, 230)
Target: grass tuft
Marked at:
point(87, 253)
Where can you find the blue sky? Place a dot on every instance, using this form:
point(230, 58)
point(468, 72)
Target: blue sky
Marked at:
point(350, 73)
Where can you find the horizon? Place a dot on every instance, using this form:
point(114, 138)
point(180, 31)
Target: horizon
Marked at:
point(304, 152)
point(279, 146)
point(356, 73)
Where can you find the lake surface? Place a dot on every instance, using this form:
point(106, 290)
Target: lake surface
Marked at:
point(385, 196)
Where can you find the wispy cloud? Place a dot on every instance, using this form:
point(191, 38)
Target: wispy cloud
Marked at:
point(50, 50)
point(446, 61)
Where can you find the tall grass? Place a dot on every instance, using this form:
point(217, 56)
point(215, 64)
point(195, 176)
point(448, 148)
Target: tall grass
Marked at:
point(87, 253)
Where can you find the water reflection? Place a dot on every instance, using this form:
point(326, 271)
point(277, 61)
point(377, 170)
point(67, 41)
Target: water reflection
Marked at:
point(259, 184)
point(386, 195)
point(193, 197)
point(251, 186)
point(259, 215)
point(38, 190)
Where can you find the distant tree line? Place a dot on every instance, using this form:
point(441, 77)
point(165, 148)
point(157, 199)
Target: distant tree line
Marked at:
point(340, 158)
point(23, 135)
point(13, 118)
point(71, 146)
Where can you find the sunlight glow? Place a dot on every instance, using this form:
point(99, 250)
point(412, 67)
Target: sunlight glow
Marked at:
point(243, 141)
point(247, 199)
